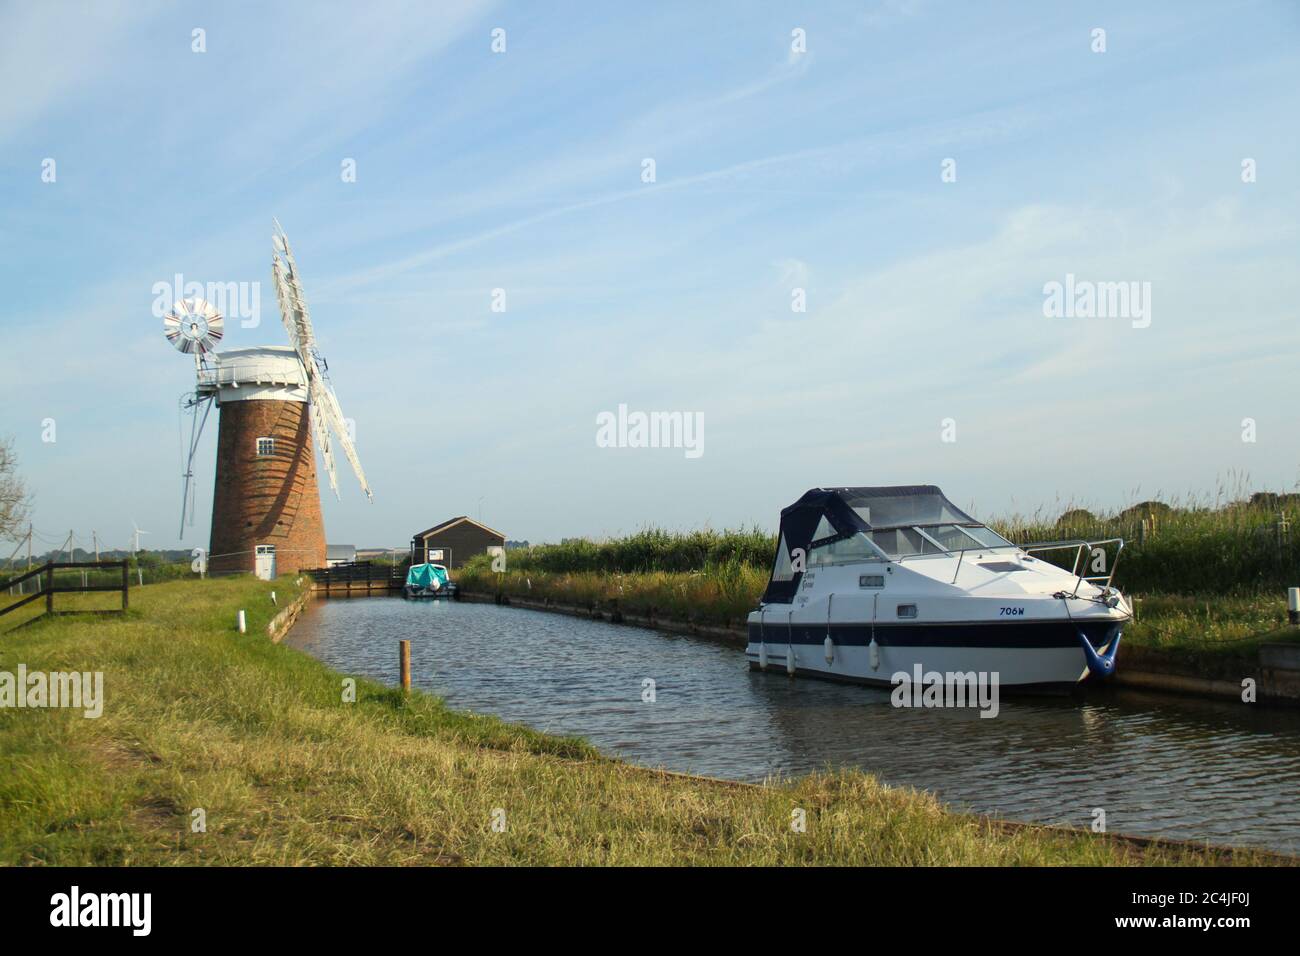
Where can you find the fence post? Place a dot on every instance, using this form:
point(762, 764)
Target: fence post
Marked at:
point(49, 587)
point(126, 585)
point(405, 654)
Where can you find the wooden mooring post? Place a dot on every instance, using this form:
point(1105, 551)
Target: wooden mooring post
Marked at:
point(405, 654)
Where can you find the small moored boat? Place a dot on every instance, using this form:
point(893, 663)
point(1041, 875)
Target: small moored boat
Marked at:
point(428, 581)
point(871, 582)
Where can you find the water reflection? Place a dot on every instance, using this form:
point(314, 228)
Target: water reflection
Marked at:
point(1158, 765)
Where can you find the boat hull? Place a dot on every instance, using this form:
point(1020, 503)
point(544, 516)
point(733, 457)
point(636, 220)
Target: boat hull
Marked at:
point(412, 593)
point(1029, 656)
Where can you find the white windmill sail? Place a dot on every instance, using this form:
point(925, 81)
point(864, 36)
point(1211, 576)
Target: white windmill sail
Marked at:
point(322, 437)
point(293, 303)
point(326, 404)
point(328, 424)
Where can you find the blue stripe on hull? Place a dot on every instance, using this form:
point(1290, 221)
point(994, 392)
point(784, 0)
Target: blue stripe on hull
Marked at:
point(994, 634)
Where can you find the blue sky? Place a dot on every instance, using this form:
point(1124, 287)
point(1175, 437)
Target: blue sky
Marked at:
point(774, 170)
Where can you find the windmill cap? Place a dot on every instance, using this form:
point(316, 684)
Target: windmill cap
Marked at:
point(265, 371)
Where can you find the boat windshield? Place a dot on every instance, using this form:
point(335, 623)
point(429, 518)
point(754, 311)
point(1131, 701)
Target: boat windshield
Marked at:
point(936, 539)
point(881, 509)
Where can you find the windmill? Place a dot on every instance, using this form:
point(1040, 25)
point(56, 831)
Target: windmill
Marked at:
point(273, 400)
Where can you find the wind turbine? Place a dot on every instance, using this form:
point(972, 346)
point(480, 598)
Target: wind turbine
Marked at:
point(135, 537)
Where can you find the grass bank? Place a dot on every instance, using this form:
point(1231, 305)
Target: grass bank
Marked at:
point(258, 737)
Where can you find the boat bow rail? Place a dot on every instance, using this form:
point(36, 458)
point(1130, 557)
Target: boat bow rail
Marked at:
point(1082, 548)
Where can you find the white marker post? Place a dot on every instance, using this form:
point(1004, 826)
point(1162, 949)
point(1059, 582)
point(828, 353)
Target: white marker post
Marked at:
point(1293, 605)
point(243, 625)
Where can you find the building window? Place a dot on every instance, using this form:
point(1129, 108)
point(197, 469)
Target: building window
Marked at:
point(265, 447)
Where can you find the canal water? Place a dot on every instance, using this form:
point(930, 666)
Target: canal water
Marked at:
point(1158, 765)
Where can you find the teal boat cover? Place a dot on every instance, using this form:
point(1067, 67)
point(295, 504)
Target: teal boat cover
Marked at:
point(426, 576)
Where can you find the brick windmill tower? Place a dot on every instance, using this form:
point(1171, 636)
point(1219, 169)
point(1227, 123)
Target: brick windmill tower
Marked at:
point(273, 400)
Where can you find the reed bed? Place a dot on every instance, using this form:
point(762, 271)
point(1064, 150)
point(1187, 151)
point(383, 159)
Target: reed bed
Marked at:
point(651, 549)
point(1186, 546)
point(722, 595)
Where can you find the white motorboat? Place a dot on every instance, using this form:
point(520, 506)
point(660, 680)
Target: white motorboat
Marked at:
point(871, 583)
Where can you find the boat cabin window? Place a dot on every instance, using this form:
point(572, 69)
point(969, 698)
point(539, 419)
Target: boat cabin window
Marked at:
point(936, 539)
point(987, 537)
point(844, 551)
point(951, 537)
point(824, 530)
point(902, 542)
point(784, 569)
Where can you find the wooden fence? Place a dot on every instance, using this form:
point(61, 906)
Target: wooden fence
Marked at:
point(361, 577)
point(48, 587)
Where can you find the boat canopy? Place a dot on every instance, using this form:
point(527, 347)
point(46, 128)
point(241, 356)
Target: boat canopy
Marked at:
point(426, 576)
point(826, 515)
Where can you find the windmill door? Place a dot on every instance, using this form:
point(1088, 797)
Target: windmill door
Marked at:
point(266, 562)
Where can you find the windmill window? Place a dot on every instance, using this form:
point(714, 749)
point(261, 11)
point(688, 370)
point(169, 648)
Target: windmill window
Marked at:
point(265, 447)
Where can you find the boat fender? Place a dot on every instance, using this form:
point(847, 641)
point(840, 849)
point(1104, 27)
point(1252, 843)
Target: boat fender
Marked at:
point(1099, 665)
point(789, 644)
point(828, 644)
point(874, 648)
point(762, 657)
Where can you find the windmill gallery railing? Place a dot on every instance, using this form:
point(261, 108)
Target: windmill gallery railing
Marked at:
point(48, 586)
